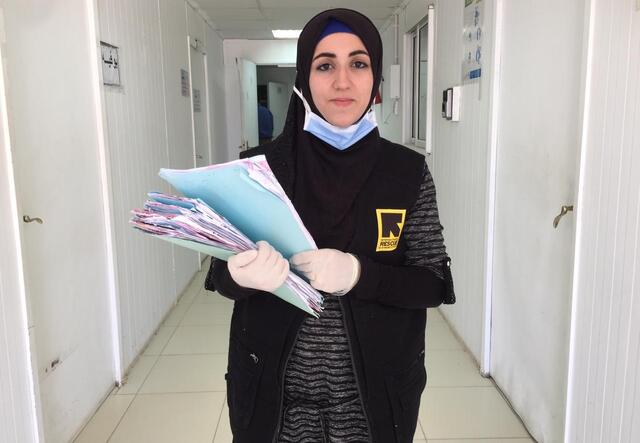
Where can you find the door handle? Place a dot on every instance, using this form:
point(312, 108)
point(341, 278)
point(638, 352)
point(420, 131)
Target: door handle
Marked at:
point(28, 219)
point(563, 212)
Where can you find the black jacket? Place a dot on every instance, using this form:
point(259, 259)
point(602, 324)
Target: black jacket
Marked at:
point(384, 314)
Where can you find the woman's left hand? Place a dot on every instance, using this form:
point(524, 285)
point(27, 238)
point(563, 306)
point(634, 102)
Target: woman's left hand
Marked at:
point(328, 270)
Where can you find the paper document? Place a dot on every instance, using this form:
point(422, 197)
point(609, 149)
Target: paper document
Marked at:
point(227, 209)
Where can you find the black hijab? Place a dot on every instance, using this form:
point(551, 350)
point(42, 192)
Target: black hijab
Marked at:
point(327, 180)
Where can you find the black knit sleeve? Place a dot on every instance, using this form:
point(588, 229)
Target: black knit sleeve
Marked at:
point(219, 279)
point(424, 280)
point(423, 231)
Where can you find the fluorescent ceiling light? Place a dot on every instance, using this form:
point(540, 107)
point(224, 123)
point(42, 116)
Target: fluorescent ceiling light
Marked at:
point(286, 33)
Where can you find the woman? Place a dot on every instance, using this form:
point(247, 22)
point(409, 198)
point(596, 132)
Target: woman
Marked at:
point(355, 374)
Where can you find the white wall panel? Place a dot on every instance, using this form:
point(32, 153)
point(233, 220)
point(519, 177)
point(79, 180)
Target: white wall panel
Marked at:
point(604, 390)
point(177, 122)
point(137, 145)
point(149, 127)
point(460, 170)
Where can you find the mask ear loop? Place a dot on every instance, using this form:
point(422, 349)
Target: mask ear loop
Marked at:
point(304, 101)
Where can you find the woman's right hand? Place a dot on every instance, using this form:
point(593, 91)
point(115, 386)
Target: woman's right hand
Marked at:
point(264, 269)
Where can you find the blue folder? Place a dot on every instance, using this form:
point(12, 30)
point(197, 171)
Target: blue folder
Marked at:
point(254, 210)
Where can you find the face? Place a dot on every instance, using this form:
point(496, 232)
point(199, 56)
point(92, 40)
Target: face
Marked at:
point(341, 78)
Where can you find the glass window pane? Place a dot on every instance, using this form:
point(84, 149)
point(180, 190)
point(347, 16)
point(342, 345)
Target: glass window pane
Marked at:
point(422, 83)
point(414, 68)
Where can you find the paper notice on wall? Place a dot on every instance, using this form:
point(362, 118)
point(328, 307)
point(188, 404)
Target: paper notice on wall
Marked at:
point(472, 40)
point(184, 83)
point(110, 64)
point(197, 104)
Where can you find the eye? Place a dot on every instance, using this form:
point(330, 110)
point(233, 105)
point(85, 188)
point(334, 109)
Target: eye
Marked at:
point(360, 64)
point(323, 67)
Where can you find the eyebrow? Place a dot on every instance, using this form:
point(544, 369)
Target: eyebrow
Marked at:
point(332, 55)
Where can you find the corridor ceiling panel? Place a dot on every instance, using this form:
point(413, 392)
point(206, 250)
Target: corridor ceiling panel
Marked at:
point(254, 19)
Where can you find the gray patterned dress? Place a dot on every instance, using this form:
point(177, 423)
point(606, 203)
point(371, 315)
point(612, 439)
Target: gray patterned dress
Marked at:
point(321, 399)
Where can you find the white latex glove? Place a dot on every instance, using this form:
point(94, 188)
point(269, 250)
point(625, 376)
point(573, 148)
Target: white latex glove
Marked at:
point(328, 270)
point(264, 269)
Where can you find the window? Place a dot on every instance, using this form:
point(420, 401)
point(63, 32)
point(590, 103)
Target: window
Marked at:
point(416, 81)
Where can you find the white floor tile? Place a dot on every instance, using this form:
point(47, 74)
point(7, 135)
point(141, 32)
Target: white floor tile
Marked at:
point(433, 316)
point(223, 433)
point(485, 440)
point(477, 412)
point(170, 418)
point(187, 373)
point(213, 339)
point(180, 387)
point(137, 374)
point(453, 368)
point(211, 297)
point(105, 419)
point(189, 294)
point(159, 340)
point(419, 436)
point(176, 314)
point(439, 336)
point(202, 314)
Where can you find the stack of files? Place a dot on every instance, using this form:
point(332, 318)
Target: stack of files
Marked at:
point(227, 208)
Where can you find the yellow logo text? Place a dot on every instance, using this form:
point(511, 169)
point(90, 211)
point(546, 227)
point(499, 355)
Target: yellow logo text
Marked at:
point(390, 224)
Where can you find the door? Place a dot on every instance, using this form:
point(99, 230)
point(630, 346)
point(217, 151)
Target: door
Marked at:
point(249, 102)
point(53, 103)
point(537, 158)
point(278, 102)
point(199, 95)
point(199, 102)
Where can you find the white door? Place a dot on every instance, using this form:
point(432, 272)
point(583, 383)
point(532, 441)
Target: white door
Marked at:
point(199, 102)
point(53, 123)
point(537, 152)
point(278, 102)
point(199, 95)
point(248, 101)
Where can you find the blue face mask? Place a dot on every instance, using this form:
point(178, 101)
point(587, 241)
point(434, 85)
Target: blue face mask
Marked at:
point(339, 138)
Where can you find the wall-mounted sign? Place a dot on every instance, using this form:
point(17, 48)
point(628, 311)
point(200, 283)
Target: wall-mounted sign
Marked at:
point(184, 80)
point(472, 40)
point(110, 64)
point(196, 101)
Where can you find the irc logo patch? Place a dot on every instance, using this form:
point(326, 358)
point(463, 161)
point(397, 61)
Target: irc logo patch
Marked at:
point(390, 224)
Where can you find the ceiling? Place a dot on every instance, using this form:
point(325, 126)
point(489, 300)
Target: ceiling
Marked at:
point(254, 19)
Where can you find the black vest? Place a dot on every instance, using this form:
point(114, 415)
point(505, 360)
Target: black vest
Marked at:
point(387, 341)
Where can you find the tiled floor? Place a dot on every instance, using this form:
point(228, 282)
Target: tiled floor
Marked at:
point(175, 392)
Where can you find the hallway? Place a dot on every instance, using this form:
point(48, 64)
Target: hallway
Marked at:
point(175, 391)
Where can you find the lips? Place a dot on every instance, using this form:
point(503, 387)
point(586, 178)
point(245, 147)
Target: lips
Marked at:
point(342, 101)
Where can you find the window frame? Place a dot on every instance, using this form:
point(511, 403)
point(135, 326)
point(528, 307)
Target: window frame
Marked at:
point(411, 90)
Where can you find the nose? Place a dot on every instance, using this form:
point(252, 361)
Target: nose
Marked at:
point(342, 78)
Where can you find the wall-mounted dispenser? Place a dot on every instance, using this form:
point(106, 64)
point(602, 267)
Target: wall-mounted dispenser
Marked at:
point(451, 103)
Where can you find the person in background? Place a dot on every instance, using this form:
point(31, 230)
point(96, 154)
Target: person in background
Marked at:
point(356, 373)
point(265, 123)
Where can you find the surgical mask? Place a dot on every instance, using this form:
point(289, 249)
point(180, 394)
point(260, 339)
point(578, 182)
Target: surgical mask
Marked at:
point(339, 138)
